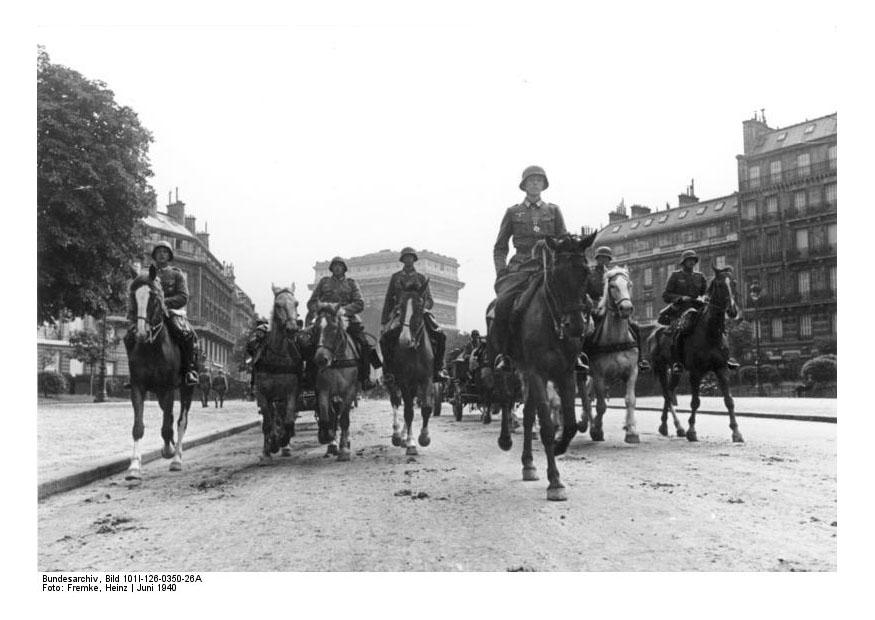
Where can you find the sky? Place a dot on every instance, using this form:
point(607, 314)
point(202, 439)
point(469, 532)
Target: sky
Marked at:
point(297, 142)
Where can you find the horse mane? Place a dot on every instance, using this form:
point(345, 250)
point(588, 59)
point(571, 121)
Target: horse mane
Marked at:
point(609, 274)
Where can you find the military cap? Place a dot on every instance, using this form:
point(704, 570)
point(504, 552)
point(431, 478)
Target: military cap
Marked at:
point(604, 251)
point(475, 333)
point(406, 251)
point(163, 244)
point(689, 254)
point(338, 259)
point(529, 172)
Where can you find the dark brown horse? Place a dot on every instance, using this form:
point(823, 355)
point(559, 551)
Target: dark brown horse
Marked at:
point(704, 352)
point(545, 346)
point(277, 374)
point(155, 364)
point(336, 364)
point(412, 363)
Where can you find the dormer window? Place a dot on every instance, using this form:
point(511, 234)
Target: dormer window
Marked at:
point(682, 214)
point(810, 128)
point(781, 136)
point(648, 222)
point(616, 228)
point(663, 218)
point(634, 225)
point(701, 210)
point(720, 206)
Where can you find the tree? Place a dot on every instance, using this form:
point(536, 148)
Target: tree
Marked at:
point(822, 369)
point(741, 337)
point(92, 192)
point(89, 349)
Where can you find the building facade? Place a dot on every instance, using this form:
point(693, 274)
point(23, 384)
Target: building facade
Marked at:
point(788, 233)
point(649, 243)
point(373, 271)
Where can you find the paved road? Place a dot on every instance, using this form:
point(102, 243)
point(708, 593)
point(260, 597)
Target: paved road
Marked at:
point(666, 504)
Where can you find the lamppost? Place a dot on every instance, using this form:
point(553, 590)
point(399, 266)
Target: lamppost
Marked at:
point(101, 375)
point(755, 296)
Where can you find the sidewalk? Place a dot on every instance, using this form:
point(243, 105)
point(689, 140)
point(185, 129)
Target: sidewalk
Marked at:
point(803, 409)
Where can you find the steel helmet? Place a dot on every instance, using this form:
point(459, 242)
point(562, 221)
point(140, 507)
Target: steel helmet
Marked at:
point(604, 251)
point(529, 172)
point(335, 260)
point(689, 254)
point(406, 251)
point(163, 244)
point(475, 333)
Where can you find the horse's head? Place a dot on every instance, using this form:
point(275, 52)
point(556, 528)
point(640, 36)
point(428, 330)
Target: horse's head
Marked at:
point(618, 292)
point(285, 307)
point(328, 334)
point(722, 291)
point(411, 304)
point(147, 298)
point(567, 279)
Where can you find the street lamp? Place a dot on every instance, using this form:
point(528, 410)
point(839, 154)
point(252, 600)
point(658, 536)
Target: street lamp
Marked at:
point(101, 375)
point(755, 296)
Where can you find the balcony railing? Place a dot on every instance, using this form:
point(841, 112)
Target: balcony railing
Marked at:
point(790, 175)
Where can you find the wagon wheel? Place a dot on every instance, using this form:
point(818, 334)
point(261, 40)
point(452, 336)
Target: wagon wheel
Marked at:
point(457, 403)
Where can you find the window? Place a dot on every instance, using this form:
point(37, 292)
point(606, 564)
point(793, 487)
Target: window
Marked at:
point(777, 328)
point(701, 210)
point(804, 283)
point(781, 136)
point(775, 171)
point(803, 163)
point(810, 128)
point(750, 210)
point(831, 157)
point(832, 323)
point(832, 279)
point(648, 310)
point(753, 176)
point(831, 193)
point(648, 222)
point(720, 206)
point(802, 240)
point(817, 238)
point(648, 276)
point(774, 286)
point(772, 205)
point(634, 225)
point(753, 248)
point(813, 196)
point(682, 214)
point(831, 232)
point(799, 202)
point(663, 218)
point(805, 326)
point(616, 228)
point(773, 245)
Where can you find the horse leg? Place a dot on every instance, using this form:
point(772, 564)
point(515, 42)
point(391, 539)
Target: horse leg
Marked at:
point(290, 414)
point(596, 432)
point(673, 382)
point(408, 396)
point(723, 381)
point(165, 401)
point(565, 390)
point(336, 405)
point(426, 400)
point(538, 394)
point(185, 394)
point(504, 439)
point(585, 405)
point(395, 401)
point(137, 398)
point(529, 470)
point(345, 453)
point(631, 426)
point(267, 416)
point(695, 380)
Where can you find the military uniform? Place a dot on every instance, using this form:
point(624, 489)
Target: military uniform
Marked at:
point(406, 279)
point(527, 222)
point(346, 292)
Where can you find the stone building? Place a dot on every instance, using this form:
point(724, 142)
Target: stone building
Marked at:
point(788, 232)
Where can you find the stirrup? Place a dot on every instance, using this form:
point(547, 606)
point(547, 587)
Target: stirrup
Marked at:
point(503, 362)
point(731, 364)
point(643, 365)
point(367, 384)
point(191, 378)
point(677, 368)
point(441, 376)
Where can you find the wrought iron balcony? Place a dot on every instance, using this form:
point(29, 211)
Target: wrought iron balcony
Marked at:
point(790, 175)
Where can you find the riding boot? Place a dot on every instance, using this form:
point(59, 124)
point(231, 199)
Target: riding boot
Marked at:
point(365, 363)
point(499, 335)
point(439, 345)
point(388, 367)
point(189, 362)
point(643, 364)
point(677, 353)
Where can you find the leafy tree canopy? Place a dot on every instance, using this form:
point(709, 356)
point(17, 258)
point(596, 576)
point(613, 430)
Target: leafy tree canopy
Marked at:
point(92, 191)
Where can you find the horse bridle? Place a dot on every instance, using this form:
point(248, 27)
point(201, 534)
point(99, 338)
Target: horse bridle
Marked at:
point(615, 303)
point(575, 307)
point(154, 329)
point(339, 347)
point(406, 323)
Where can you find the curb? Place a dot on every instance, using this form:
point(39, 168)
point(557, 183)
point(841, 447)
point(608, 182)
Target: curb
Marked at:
point(740, 414)
point(110, 468)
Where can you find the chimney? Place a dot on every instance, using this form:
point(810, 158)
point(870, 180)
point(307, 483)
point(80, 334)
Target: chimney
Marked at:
point(189, 223)
point(688, 198)
point(617, 216)
point(753, 129)
point(638, 210)
point(204, 237)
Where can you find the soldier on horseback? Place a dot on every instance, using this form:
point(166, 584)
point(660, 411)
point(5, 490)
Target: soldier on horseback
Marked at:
point(595, 288)
point(175, 289)
point(527, 222)
point(402, 280)
point(683, 292)
point(345, 293)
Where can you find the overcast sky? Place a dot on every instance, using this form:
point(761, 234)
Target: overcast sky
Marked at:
point(298, 142)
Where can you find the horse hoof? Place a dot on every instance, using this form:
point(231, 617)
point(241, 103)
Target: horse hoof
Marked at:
point(168, 451)
point(582, 426)
point(530, 474)
point(176, 466)
point(505, 442)
point(691, 436)
point(343, 456)
point(287, 451)
point(737, 438)
point(560, 447)
point(556, 494)
point(597, 435)
point(332, 449)
point(396, 441)
point(663, 429)
point(682, 432)
point(411, 451)
point(424, 440)
point(264, 460)
point(133, 474)
point(632, 438)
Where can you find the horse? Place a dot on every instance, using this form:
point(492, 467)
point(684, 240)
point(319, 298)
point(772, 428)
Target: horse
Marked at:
point(413, 362)
point(277, 371)
point(545, 346)
point(336, 362)
point(155, 364)
point(703, 352)
point(613, 355)
point(204, 383)
point(220, 386)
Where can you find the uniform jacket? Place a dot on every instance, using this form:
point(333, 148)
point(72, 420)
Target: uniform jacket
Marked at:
point(680, 283)
point(175, 288)
point(400, 281)
point(344, 291)
point(526, 223)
